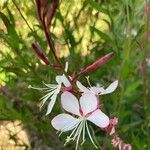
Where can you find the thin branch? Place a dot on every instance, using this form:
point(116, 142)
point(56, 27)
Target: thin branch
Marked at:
point(144, 64)
point(22, 16)
point(53, 50)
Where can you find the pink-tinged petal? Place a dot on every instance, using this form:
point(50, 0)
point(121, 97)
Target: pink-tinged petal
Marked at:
point(111, 88)
point(65, 81)
point(82, 87)
point(70, 103)
point(112, 125)
point(96, 90)
point(88, 103)
point(116, 142)
point(64, 122)
point(127, 147)
point(99, 119)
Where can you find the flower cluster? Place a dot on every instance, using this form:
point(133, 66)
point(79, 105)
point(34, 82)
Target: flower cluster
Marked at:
point(82, 107)
point(81, 103)
point(117, 142)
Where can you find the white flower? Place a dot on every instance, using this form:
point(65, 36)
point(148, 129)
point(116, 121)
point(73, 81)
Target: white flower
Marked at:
point(98, 90)
point(52, 90)
point(86, 109)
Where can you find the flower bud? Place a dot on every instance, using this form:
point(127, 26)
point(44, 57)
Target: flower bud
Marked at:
point(97, 63)
point(46, 11)
point(126, 147)
point(40, 53)
point(116, 142)
point(112, 125)
point(51, 10)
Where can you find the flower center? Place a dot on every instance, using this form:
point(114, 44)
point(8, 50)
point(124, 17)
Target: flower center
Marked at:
point(79, 132)
point(68, 89)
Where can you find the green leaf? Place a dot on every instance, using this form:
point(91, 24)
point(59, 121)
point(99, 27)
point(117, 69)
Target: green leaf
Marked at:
point(97, 6)
point(103, 35)
point(132, 87)
point(13, 36)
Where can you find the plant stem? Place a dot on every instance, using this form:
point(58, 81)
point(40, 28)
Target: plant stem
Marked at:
point(126, 57)
point(52, 48)
point(144, 69)
point(50, 43)
point(22, 15)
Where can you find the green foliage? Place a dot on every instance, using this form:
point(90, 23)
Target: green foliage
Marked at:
point(82, 32)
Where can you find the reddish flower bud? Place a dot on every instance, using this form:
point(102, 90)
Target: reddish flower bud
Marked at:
point(112, 125)
point(46, 11)
point(43, 3)
point(51, 10)
point(116, 142)
point(97, 63)
point(127, 147)
point(40, 53)
point(92, 67)
point(38, 3)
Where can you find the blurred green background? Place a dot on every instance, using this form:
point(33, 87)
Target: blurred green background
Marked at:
point(83, 31)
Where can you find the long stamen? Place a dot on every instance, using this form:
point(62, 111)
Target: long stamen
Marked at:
point(49, 94)
point(88, 80)
point(90, 135)
point(36, 88)
point(79, 133)
point(78, 130)
point(50, 85)
point(50, 89)
point(74, 130)
point(46, 89)
point(83, 134)
point(45, 97)
point(69, 137)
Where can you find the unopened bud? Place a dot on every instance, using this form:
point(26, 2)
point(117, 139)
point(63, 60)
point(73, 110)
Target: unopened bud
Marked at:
point(46, 11)
point(97, 63)
point(43, 3)
point(93, 66)
point(51, 10)
point(112, 125)
point(116, 142)
point(40, 53)
point(127, 147)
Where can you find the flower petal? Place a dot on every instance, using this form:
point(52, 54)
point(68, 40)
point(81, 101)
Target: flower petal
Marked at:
point(46, 97)
point(82, 87)
point(58, 79)
point(66, 66)
point(96, 90)
point(70, 103)
point(99, 119)
point(65, 81)
point(51, 104)
point(88, 103)
point(111, 88)
point(64, 122)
